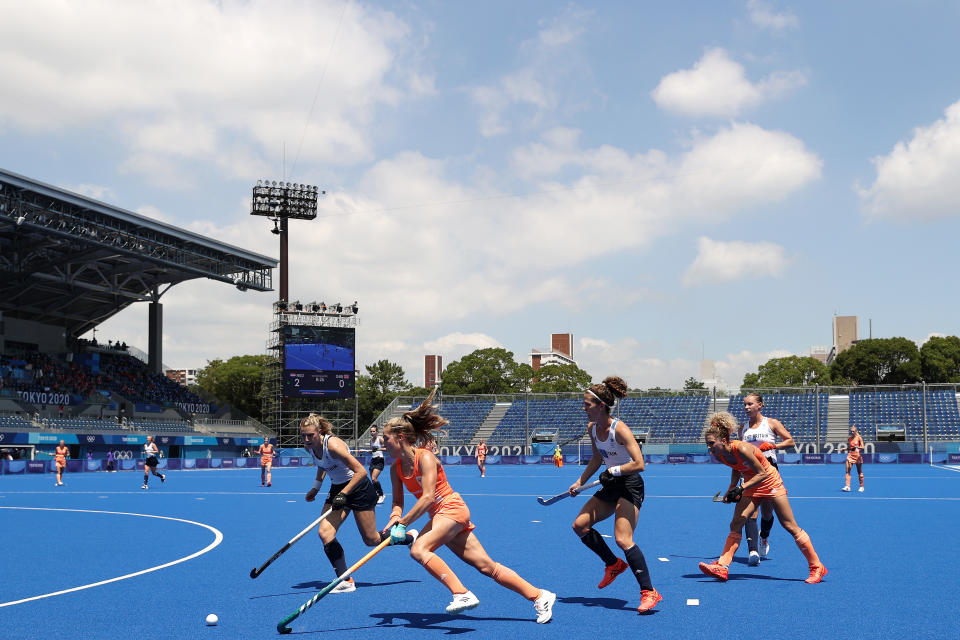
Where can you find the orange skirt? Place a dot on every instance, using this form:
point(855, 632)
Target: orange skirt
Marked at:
point(456, 509)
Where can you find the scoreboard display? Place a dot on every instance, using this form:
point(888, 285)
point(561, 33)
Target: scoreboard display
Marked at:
point(318, 361)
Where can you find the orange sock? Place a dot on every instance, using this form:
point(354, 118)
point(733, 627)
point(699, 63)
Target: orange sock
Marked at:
point(436, 567)
point(507, 577)
point(806, 547)
point(733, 541)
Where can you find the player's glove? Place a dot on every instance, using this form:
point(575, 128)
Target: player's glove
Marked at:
point(734, 494)
point(339, 501)
point(398, 533)
point(766, 446)
point(606, 478)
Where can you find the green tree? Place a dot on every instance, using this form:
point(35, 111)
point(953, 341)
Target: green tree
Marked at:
point(879, 361)
point(792, 371)
point(693, 383)
point(940, 359)
point(557, 378)
point(491, 370)
point(238, 382)
point(377, 388)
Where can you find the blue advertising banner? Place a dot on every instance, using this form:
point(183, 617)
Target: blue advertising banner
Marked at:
point(697, 458)
point(146, 407)
point(205, 440)
point(294, 462)
point(51, 438)
point(175, 463)
point(93, 465)
point(885, 458)
point(203, 463)
point(35, 466)
point(813, 458)
point(227, 463)
point(837, 458)
point(189, 463)
point(656, 458)
point(953, 458)
point(790, 458)
point(449, 460)
point(14, 466)
point(676, 458)
point(910, 458)
point(530, 459)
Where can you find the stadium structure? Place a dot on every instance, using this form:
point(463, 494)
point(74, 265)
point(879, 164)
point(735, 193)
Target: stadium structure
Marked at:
point(67, 264)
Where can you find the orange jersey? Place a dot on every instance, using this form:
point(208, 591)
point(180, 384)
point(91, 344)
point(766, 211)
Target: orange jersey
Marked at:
point(481, 451)
point(771, 487)
point(266, 454)
point(854, 445)
point(61, 455)
point(446, 502)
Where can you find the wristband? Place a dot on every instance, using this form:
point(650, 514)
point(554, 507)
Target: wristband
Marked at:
point(317, 484)
point(614, 471)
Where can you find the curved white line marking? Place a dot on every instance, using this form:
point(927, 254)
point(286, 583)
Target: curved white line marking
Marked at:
point(218, 538)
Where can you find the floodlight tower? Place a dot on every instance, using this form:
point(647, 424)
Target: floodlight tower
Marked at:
point(282, 202)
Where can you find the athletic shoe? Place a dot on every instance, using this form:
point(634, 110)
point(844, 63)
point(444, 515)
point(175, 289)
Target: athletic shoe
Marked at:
point(544, 606)
point(462, 601)
point(816, 574)
point(648, 600)
point(347, 586)
point(754, 559)
point(764, 547)
point(381, 499)
point(860, 490)
point(269, 484)
point(144, 487)
point(845, 489)
point(163, 479)
point(611, 572)
point(263, 484)
point(715, 570)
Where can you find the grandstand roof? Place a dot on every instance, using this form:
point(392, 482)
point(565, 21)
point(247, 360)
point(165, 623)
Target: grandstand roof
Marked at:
point(69, 260)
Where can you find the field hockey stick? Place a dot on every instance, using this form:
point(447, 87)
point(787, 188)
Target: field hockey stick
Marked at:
point(566, 494)
point(282, 625)
point(254, 573)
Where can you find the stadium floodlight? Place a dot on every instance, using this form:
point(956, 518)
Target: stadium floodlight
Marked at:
point(354, 308)
point(339, 308)
point(20, 220)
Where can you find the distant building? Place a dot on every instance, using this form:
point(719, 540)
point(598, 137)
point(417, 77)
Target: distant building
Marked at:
point(844, 335)
point(186, 377)
point(561, 352)
point(820, 353)
point(432, 368)
point(709, 377)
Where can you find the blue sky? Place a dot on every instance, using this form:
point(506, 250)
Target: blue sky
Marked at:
point(664, 180)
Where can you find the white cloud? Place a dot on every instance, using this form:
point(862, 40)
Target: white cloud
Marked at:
point(95, 191)
point(762, 15)
point(192, 79)
point(718, 86)
point(918, 178)
point(718, 262)
point(536, 86)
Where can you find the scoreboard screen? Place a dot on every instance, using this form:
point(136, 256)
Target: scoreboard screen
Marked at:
point(318, 361)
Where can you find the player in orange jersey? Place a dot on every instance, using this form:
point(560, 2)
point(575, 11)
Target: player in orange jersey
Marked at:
point(407, 440)
point(761, 482)
point(60, 459)
point(266, 453)
point(854, 457)
point(482, 459)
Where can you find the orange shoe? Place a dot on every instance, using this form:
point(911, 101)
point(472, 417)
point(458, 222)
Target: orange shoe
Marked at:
point(715, 570)
point(611, 572)
point(648, 600)
point(816, 574)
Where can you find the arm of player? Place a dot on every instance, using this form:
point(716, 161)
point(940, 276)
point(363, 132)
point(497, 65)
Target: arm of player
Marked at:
point(318, 481)
point(751, 460)
point(428, 480)
point(625, 437)
point(786, 440)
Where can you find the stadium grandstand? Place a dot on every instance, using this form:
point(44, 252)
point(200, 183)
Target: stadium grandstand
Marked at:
point(67, 264)
point(905, 418)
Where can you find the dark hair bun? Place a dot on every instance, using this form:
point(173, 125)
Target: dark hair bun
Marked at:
point(616, 385)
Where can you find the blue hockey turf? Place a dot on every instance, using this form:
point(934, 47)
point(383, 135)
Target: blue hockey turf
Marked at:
point(892, 554)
